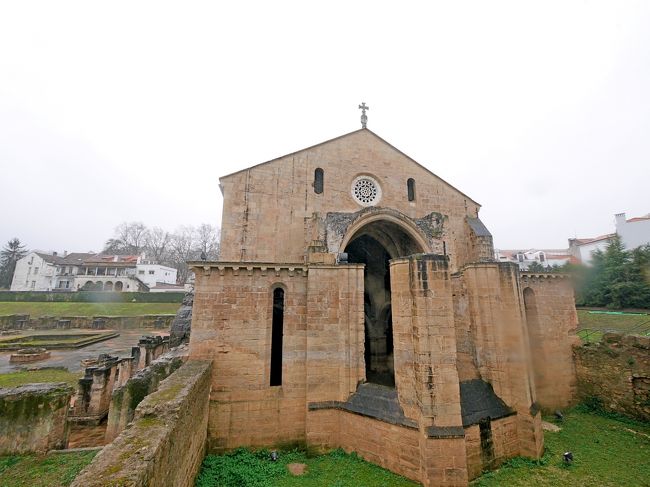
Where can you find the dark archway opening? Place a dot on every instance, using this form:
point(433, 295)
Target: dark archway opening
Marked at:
point(375, 245)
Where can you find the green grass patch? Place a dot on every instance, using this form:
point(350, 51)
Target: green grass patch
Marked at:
point(592, 325)
point(54, 470)
point(15, 379)
point(246, 468)
point(608, 450)
point(35, 309)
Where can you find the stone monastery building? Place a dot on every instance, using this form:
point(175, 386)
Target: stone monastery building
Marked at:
point(358, 305)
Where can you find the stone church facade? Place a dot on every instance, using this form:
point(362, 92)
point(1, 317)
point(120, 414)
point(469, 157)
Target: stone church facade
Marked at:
point(357, 304)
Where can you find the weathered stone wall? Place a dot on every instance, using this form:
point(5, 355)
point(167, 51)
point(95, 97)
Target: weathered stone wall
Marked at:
point(617, 372)
point(165, 444)
point(13, 322)
point(231, 325)
point(33, 418)
point(280, 195)
point(126, 397)
point(488, 449)
point(334, 355)
point(424, 340)
point(498, 343)
point(93, 397)
point(552, 322)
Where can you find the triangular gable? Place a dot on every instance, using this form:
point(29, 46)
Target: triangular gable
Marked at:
point(347, 135)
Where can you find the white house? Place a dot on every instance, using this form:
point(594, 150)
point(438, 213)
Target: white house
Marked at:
point(634, 232)
point(39, 271)
point(152, 274)
point(35, 272)
point(581, 249)
point(525, 258)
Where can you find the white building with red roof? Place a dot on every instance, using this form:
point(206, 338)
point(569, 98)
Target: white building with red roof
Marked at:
point(634, 232)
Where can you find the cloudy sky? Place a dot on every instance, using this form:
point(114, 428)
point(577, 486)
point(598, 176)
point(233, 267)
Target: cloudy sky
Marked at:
point(130, 111)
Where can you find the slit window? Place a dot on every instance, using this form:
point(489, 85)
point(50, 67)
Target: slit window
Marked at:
point(319, 180)
point(410, 189)
point(276, 336)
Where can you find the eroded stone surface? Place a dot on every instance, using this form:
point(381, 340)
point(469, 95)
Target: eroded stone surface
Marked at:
point(33, 418)
point(165, 443)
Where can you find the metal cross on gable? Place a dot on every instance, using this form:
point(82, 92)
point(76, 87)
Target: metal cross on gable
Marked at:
point(364, 117)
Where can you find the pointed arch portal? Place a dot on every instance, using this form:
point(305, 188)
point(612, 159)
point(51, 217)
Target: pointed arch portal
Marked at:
point(374, 245)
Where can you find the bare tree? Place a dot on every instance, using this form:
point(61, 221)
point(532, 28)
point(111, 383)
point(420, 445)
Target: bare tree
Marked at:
point(183, 244)
point(162, 247)
point(129, 238)
point(207, 241)
point(157, 243)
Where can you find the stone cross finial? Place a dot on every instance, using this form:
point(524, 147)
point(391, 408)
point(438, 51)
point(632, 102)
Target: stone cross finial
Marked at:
point(364, 117)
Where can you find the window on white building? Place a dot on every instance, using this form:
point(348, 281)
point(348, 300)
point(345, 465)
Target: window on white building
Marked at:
point(151, 273)
point(35, 270)
point(33, 284)
point(141, 273)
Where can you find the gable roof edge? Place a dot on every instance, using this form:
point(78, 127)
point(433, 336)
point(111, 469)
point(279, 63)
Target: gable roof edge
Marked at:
point(345, 135)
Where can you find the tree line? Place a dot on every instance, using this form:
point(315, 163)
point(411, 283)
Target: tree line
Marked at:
point(172, 249)
point(617, 278)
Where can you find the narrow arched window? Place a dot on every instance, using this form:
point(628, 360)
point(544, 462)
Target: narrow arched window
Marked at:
point(410, 188)
point(319, 181)
point(277, 326)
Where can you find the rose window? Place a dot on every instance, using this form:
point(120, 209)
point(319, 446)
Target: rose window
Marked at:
point(366, 191)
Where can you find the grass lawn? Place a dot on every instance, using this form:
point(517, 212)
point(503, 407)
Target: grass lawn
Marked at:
point(607, 452)
point(15, 379)
point(35, 309)
point(243, 468)
point(54, 470)
point(592, 325)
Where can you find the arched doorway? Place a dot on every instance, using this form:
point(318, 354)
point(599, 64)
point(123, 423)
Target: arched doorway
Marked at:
point(118, 286)
point(108, 286)
point(374, 245)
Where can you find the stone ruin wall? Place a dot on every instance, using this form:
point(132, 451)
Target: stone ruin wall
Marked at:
point(165, 443)
point(93, 398)
point(21, 322)
point(616, 372)
point(33, 418)
point(126, 397)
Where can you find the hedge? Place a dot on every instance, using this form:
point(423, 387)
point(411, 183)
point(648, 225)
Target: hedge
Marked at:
point(90, 297)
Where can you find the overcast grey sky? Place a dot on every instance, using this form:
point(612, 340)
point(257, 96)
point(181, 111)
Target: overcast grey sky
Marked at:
point(130, 111)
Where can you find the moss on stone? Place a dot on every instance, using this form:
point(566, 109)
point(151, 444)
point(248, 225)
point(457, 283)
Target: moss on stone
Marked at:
point(166, 394)
point(138, 389)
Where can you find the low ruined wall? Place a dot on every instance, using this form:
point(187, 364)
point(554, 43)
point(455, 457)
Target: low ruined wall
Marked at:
point(126, 398)
point(616, 371)
point(96, 387)
point(165, 443)
point(19, 322)
point(33, 418)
